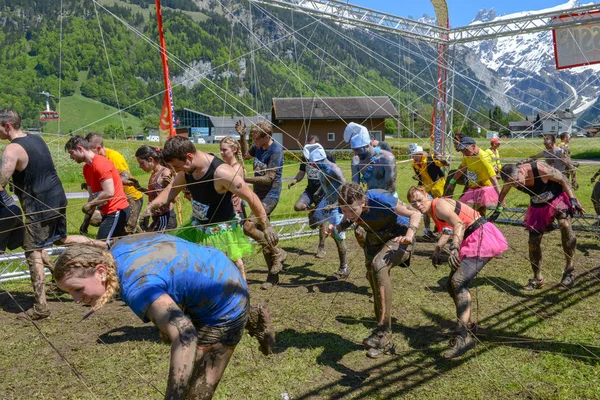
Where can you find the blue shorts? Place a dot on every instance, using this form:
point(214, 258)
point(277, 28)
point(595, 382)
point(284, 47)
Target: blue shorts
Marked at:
point(322, 215)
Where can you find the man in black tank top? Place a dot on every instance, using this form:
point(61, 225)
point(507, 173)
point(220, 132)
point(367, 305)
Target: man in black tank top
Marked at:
point(211, 183)
point(27, 160)
point(551, 198)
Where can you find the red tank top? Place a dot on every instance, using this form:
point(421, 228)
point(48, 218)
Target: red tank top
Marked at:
point(466, 214)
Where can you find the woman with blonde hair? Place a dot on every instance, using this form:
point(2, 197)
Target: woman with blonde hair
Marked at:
point(193, 294)
point(231, 153)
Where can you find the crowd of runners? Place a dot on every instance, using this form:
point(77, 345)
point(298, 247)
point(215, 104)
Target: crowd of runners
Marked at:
point(190, 280)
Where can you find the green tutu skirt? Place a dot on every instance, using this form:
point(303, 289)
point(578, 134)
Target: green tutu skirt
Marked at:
point(226, 236)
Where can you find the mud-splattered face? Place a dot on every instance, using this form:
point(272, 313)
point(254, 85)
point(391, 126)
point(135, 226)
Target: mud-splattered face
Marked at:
point(85, 287)
point(548, 142)
point(352, 212)
point(361, 152)
point(147, 165)
point(421, 202)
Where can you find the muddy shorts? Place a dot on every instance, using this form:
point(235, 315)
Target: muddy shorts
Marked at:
point(228, 334)
point(381, 248)
point(40, 234)
point(308, 198)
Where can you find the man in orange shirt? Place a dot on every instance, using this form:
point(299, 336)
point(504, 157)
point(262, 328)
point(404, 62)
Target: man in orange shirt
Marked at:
point(104, 186)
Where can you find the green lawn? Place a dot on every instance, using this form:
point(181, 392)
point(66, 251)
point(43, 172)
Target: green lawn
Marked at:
point(79, 114)
point(541, 345)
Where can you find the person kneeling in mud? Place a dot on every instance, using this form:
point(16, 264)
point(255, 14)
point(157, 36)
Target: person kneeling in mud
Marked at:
point(474, 242)
point(391, 227)
point(195, 295)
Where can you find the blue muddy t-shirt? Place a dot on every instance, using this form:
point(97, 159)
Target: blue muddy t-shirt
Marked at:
point(380, 217)
point(268, 160)
point(201, 280)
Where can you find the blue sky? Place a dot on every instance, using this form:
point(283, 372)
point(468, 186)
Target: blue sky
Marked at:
point(461, 11)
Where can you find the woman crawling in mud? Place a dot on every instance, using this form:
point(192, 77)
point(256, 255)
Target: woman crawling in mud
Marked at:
point(194, 294)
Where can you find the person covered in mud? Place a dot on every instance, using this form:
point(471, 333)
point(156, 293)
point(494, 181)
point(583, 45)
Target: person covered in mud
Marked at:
point(330, 178)
point(266, 183)
point(390, 227)
point(558, 157)
point(483, 185)
point(194, 294)
point(473, 243)
point(28, 162)
point(211, 183)
point(307, 199)
point(551, 197)
point(150, 160)
point(370, 166)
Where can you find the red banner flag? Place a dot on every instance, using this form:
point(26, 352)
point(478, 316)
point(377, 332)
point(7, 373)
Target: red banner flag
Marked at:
point(166, 126)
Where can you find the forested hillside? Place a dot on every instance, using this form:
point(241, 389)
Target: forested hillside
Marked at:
point(219, 65)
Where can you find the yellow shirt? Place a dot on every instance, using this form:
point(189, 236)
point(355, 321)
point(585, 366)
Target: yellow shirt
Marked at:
point(479, 170)
point(121, 165)
point(436, 189)
point(493, 158)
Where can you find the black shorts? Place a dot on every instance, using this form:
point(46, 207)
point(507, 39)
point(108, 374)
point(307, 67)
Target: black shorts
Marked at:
point(40, 234)
point(228, 334)
point(113, 225)
point(11, 227)
point(166, 221)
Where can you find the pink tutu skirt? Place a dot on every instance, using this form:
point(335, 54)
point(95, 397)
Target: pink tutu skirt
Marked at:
point(487, 241)
point(481, 196)
point(540, 219)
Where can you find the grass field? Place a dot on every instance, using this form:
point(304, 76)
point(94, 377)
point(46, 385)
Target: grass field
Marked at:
point(542, 345)
point(531, 346)
point(79, 114)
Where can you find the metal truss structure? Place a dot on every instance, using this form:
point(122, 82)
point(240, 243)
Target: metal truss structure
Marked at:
point(439, 35)
point(349, 14)
point(525, 24)
point(13, 266)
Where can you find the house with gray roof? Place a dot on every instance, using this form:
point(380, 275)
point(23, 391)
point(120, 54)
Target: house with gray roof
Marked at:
point(294, 119)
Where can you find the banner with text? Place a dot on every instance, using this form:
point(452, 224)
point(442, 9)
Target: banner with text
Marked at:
point(578, 45)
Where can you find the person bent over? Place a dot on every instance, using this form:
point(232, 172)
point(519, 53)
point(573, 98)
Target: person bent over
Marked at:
point(330, 178)
point(309, 198)
point(474, 242)
point(194, 294)
point(551, 197)
point(391, 227)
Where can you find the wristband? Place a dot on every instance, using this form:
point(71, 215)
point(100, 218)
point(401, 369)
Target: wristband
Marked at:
point(499, 209)
point(452, 181)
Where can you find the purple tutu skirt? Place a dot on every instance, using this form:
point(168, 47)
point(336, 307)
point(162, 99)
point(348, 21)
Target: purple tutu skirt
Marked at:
point(541, 219)
point(479, 197)
point(487, 241)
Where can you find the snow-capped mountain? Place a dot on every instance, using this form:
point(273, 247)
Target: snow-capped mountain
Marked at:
point(526, 64)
